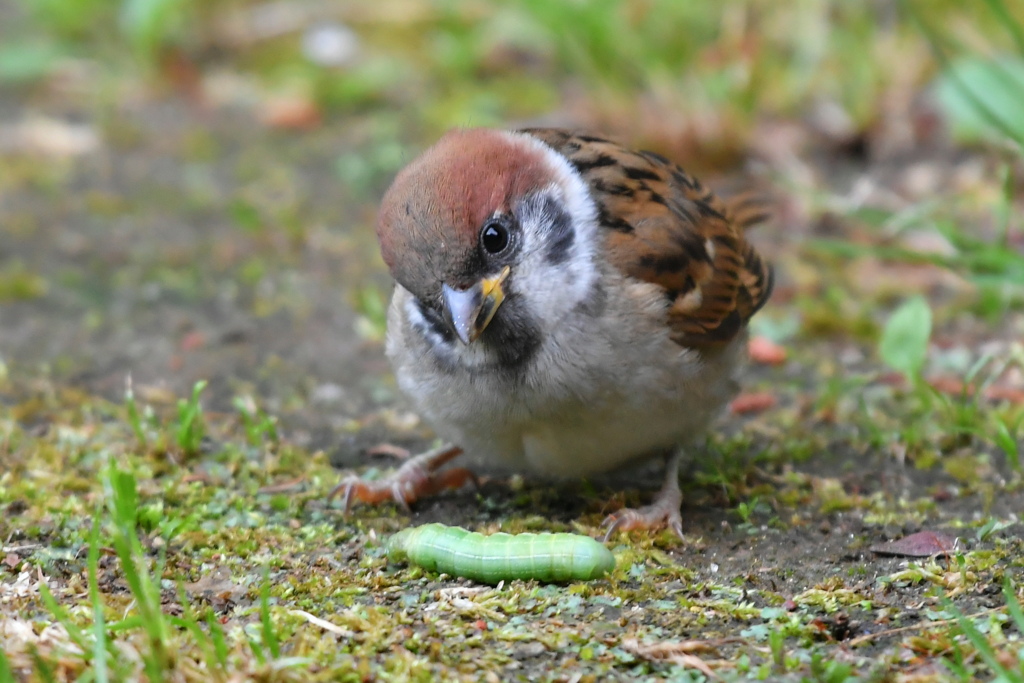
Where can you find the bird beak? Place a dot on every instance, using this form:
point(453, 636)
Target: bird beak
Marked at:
point(470, 310)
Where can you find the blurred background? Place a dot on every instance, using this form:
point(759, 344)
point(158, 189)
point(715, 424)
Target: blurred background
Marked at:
point(188, 189)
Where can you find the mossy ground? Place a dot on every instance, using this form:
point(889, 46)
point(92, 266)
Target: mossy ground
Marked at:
point(177, 232)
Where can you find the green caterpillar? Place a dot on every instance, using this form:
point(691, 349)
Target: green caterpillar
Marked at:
point(552, 558)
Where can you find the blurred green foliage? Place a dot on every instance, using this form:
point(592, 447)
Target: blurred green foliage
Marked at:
point(487, 61)
point(691, 79)
point(143, 28)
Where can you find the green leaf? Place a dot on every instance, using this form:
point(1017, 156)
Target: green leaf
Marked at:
point(983, 98)
point(26, 62)
point(904, 343)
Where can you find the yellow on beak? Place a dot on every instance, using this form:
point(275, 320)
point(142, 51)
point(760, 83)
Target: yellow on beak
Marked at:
point(469, 311)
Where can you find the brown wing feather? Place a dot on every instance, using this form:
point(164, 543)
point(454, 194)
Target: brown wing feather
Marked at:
point(664, 227)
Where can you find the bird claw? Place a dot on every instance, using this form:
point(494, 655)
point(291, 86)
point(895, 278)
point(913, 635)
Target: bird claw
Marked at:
point(415, 478)
point(664, 511)
point(658, 515)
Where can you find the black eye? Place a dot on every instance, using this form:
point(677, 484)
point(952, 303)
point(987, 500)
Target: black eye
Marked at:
point(494, 237)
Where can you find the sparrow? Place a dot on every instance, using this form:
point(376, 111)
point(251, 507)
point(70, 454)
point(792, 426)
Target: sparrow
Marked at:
point(564, 306)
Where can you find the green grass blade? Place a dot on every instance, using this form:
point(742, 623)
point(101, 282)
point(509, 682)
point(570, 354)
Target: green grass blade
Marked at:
point(220, 645)
point(207, 642)
point(127, 624)
point(99, 630)
point(58, 611)
point(1004, 208)
point(6, 674)
point(134, 417)
point(42, 667)
point(123, 504)
point(1007, 442)
point(189, 433)
point(981, 644)
point(257, 650)
point(1013, 606)
point(269, 634)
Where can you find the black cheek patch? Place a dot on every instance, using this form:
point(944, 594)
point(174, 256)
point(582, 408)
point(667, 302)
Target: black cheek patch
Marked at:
point(435, 322)
point(562, 234)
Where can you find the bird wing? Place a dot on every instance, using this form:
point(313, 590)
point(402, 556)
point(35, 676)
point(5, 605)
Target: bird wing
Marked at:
point(662, 226)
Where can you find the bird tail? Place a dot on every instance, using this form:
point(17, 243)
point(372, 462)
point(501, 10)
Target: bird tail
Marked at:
point(749, 209)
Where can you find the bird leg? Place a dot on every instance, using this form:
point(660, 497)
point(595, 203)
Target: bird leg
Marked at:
point(389, 450)
point(664, 511)
point(415, 478)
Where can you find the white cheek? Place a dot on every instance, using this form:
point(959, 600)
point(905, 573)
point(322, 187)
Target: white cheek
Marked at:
point(554, 288)
point(421, 325)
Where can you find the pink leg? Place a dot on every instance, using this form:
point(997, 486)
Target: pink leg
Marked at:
point(416, 477)
point(664, 511)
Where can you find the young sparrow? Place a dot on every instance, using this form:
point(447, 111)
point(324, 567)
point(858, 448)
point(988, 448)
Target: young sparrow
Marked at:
point(564, 306)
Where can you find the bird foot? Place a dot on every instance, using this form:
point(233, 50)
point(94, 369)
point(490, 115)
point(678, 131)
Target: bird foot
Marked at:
point(417, 477)
point(664, 511)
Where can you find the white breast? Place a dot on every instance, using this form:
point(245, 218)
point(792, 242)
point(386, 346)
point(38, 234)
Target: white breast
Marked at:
point(601, 392)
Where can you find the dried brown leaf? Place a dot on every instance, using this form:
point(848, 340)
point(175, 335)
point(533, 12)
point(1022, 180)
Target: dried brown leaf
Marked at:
point(921, 544)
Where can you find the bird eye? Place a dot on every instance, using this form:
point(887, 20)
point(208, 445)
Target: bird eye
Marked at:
point(494, 237)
